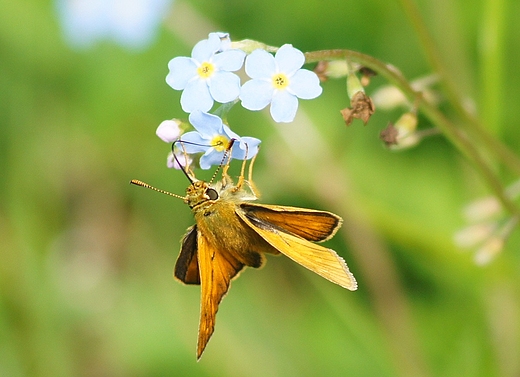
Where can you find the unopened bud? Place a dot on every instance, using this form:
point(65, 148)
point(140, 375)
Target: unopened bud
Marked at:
point(403, 133)
point(169, 130)
point(334, 69)
point(489, 250)
point(249, 45)
point(353, 85)
point(406, 124)
point(475, 234)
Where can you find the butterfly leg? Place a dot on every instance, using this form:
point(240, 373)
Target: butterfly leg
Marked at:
point(250, 182)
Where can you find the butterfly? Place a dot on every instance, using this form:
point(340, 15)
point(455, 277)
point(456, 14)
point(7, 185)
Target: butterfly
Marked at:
point(231, 232)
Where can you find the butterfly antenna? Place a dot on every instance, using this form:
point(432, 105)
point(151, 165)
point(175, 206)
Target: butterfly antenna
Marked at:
point(142, 184)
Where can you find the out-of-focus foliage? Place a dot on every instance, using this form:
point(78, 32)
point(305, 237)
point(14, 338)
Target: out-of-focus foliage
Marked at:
point(86, 259)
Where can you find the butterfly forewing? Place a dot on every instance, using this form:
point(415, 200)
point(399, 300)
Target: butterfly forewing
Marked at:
point(217, 268)
point(309, 224)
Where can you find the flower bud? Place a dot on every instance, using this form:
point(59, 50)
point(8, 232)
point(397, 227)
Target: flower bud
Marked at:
point(169, 130)
point(334, 69)
point(406, 124)
point(487, 252)
point(403, 133)
point(249, 45)
point(482, 209)
point(353, 85)
point(475, 234)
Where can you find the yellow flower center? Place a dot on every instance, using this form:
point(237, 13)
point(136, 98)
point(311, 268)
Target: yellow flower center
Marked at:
point(220, 143)
point(206, 70)
point(280, 81)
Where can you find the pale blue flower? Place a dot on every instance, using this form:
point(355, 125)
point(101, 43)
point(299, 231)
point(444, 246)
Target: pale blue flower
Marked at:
point(206, 76)
point(225, 41)
point(212, 138)
point(132, 24)
point(278, 80)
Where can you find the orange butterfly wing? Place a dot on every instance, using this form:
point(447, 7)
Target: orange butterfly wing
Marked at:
point(217, 268)
point(324, 262)
point(310, 224)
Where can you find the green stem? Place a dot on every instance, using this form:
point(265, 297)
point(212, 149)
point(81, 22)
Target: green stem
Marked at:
point(492, 58)
point(458, 138)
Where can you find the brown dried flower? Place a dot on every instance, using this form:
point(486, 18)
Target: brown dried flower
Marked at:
point(389, 135)
point(362, 108)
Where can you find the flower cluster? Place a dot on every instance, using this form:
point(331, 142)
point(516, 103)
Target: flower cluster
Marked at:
point(208, 77)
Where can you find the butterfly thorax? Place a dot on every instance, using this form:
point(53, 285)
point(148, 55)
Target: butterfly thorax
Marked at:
point(215, 210)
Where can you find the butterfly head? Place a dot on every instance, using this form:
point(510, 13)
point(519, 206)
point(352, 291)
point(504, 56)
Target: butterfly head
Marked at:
point(199, 192)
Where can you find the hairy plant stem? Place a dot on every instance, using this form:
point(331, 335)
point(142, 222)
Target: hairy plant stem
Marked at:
point(459, 139)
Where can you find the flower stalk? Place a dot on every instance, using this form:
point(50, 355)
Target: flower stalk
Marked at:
point(459, 139)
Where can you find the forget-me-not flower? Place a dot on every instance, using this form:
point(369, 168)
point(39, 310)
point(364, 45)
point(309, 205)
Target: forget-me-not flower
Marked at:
point(278, 80)
point(206, 76)
point(212, 138)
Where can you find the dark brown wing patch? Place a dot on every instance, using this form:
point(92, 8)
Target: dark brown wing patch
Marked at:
point(186, 267)
point(311, 225)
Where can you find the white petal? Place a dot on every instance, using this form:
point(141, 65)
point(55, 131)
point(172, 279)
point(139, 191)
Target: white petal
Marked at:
point(305, 84)
point(230, 60)
point(260, 64)
point(182, 69)
point(206, 124)
point(224, 86)
point(256, 94)
point(284, 106)
point(248, 148)
point(289, 59)
point(228, 133)
point(195, 143)
point(196, 97)
point(225, 40)
point(210, 158)
point(204, 50)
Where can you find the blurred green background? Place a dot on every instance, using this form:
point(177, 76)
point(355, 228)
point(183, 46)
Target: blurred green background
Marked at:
point(86, 285)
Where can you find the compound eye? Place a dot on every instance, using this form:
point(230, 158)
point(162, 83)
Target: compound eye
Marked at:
point(212, 194)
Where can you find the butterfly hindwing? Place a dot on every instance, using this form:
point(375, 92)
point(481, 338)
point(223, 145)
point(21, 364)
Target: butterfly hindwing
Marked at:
point(324, 262)
point(187, 268)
